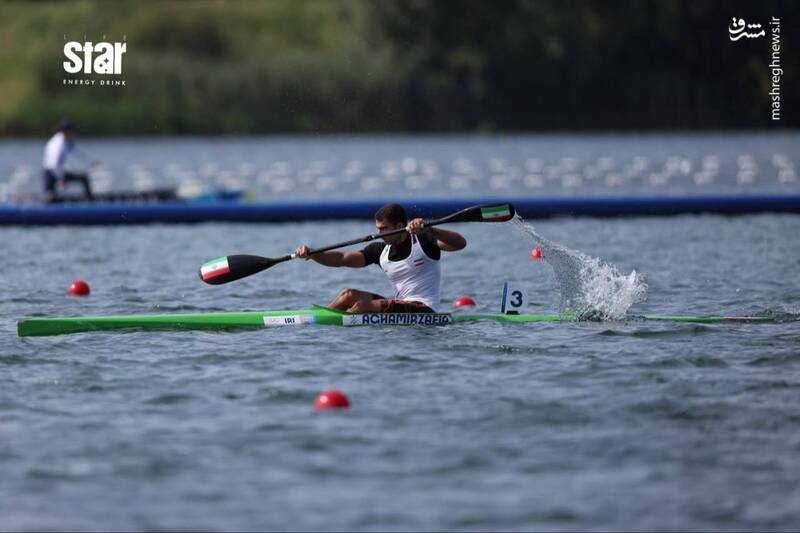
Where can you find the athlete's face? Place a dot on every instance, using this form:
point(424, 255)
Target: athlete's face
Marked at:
point(385, 225)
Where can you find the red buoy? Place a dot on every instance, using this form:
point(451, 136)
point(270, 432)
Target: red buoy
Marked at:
point(79, 288)
point(462, 301)
point(331, 399)
point(536, 253)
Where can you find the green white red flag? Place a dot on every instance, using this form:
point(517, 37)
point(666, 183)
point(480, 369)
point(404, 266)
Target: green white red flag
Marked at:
point(214, 268)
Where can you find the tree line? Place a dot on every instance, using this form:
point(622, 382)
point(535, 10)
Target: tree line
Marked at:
point(318, 66)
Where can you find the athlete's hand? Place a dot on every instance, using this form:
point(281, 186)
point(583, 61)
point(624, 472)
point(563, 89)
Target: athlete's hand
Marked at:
point(416, 226)
point(303, 252)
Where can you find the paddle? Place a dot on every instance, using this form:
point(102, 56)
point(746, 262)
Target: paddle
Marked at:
point(233, 267)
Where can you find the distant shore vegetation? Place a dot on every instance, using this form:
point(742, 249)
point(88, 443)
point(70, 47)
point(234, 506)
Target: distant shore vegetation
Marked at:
point(362, 66)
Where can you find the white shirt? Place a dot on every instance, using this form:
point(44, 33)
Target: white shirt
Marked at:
point(55, 153)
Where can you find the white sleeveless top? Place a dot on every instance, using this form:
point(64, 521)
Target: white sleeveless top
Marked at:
point(416, 278)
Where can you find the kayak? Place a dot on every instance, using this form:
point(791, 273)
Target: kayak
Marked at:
point(317, 315)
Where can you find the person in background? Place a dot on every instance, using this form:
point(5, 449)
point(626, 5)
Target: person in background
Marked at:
point(56, 151)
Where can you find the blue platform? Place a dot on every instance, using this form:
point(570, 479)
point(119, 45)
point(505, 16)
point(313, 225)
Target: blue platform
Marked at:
point(286, 211)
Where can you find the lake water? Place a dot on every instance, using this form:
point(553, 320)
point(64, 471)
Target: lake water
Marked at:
point(618, 424)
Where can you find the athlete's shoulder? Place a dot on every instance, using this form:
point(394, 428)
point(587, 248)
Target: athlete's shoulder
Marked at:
point(55, 139)
point(429, 246)
point(372, 252)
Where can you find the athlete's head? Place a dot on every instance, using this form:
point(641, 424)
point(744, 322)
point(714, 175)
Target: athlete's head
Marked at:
point(389, 217)
point(67, 127)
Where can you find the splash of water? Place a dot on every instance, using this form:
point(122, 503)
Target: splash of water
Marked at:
point(588, 287)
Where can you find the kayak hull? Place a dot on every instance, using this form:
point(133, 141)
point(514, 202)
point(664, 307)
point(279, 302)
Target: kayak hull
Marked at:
point(316, 315)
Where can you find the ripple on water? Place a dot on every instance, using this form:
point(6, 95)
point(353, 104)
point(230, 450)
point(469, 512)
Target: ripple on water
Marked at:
point(646, 333)
point(678, 361)
point(783, 359)
point(170, 399)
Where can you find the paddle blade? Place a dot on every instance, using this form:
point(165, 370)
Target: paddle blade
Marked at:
point(481, 213)
point(233, 267)
point(496, 212)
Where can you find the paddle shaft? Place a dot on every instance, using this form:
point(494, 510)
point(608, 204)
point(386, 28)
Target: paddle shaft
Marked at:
point(233, 267)
point(367, 238)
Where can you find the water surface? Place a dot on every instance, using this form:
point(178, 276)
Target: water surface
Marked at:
point(600, 425)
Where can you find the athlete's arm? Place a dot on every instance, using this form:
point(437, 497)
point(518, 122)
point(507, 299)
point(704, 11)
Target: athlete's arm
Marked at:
point(332, 258)
point(446, 240)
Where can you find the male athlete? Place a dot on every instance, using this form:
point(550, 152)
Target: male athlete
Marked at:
point(55, 154)
point(410, 260)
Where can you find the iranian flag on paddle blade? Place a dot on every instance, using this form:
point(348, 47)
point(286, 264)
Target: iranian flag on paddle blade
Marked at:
point(215, 267)
point(491, 213)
